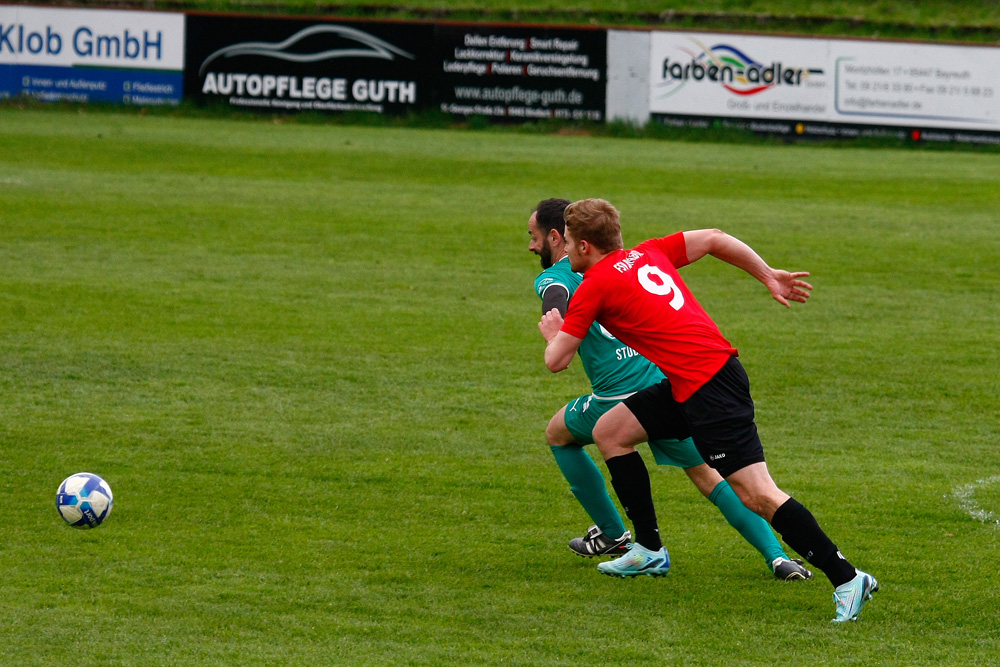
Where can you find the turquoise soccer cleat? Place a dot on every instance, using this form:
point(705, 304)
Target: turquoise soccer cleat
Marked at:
point(638, 561)
point(853, 595)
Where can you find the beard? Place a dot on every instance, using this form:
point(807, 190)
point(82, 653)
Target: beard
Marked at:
point(545, 255)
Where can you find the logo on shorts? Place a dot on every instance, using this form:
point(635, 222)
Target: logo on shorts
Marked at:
point(716, 457)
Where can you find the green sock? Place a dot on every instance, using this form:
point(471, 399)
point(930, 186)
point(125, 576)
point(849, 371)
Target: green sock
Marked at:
point(752, 527)
point(587, 484)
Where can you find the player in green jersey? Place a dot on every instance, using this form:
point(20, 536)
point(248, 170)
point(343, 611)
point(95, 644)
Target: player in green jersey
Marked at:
point(616, 371)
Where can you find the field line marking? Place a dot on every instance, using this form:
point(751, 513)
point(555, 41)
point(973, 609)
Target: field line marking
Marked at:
point(965, 495)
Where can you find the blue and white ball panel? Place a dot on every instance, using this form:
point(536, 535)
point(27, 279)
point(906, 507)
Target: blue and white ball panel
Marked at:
point(84, 500)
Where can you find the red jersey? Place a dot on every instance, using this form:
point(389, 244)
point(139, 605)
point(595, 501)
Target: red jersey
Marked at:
point(639, 297)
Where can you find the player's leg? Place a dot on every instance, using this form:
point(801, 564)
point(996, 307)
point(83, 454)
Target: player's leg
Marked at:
point(800, 530)
point(754, 486)
point(608, 535)
point(721, 417)
point(793, 521)
point(752, 527)
point(616, 434)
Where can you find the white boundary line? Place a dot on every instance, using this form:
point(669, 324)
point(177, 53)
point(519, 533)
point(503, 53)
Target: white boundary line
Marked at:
point(965, 495)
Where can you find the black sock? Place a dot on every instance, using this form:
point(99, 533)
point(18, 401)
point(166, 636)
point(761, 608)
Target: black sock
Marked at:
point(799, 529)
point(630, 480)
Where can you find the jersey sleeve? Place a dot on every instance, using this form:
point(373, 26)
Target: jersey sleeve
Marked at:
point(556, 297)
point(544, 281)
point(672, 246)
point(582, 310)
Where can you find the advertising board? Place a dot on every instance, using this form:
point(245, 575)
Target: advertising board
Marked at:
point(513, 73)
point(91, 55)
point(309, 64)
point(825, 81)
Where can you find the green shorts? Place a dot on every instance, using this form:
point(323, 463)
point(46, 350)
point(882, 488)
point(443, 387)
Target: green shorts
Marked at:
point(583, 413)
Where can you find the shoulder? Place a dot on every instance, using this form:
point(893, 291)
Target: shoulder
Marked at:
point(667, 244)
point(559, 274)
point(547, 279)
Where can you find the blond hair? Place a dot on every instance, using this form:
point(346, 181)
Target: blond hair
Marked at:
point(596, 222)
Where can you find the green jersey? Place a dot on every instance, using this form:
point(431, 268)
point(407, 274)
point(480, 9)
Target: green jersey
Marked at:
point(614, 369)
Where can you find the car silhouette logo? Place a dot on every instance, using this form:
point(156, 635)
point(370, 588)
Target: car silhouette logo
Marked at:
point(370, 46)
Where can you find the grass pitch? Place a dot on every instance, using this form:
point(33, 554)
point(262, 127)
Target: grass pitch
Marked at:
point(305, 358)
point(757, 15)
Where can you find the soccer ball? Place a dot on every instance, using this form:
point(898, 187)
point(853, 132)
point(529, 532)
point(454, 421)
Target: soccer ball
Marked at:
point(84, 500)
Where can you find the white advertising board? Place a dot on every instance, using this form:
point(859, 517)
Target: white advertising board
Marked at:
point(838, 81)
point(105, 38)
point(86, 55)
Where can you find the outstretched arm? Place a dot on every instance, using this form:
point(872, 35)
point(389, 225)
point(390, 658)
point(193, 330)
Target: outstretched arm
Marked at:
point(561, 346)
point(783, 285)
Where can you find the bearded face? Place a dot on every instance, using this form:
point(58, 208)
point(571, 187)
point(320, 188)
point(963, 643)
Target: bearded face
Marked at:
point(545, 254)
point(539, 244)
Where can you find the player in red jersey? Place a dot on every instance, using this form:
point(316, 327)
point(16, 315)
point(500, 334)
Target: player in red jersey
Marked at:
point(641, 299)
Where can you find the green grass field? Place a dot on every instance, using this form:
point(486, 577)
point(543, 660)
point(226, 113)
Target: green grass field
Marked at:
point(925, 13)
point(305, 358)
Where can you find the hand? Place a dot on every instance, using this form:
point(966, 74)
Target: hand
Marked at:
point(550, 325)
point(785, 287)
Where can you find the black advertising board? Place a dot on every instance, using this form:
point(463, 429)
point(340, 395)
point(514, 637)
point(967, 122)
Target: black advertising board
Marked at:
point(506, 73)
point(283, 65)
point(520, 73)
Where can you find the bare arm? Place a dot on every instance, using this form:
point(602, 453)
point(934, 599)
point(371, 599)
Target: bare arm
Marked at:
point(561, 346)
point(783, 285)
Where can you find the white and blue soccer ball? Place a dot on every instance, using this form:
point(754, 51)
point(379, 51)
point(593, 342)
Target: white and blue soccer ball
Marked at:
point(84, 500)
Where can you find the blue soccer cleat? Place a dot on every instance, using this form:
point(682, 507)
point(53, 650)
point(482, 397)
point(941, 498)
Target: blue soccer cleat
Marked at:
point(638, 561)
point(853, 595)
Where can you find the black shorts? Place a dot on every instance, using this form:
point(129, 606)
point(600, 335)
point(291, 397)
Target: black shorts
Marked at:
point(718, 417)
